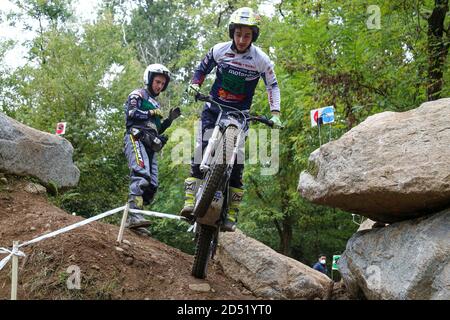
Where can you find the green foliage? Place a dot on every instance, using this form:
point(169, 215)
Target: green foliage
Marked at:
point(324, 53)
point(77, 84)
point(54, 12)
point(52, 188)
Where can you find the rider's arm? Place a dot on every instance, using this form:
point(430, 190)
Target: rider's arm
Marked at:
point(164, 125)
point(273, 94)
point(134, 107)
point(174, 113)
point(204, 68)
point(266, 68)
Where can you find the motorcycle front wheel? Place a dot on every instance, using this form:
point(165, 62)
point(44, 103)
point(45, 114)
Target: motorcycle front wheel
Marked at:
point(203, 249)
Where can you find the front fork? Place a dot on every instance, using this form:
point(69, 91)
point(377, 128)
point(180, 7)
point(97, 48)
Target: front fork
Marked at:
point(212, 146)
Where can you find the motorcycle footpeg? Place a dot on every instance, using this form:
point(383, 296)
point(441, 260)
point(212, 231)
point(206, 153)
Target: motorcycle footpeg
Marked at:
point(190, 219)
point(228, 227)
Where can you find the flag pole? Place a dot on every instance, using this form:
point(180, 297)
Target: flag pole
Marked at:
point(320, 138)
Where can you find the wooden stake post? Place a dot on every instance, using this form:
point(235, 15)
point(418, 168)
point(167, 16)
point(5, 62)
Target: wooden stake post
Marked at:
point(14, 271)
point(122, 224)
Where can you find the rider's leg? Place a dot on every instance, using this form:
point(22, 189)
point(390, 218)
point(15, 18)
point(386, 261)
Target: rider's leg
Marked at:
point(149, 192)
point(139, 165)
point(148, 195)
point(190, 187)
point(236, 194)
point(208, 120)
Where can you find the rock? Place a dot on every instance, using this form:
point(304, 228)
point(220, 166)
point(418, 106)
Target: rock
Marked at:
point(200, 287)
point(246, 292)
point(129, 260)
point(35, 188)
point(3, 180)
point(119, 249)
point(405, 260)
point(127, 251)
point(160, 278)
point(339, 291)
point(267, 273)
point(96, 267)
point(391, 167)
point(127, 242)
point(29, 152)
point(32, 228)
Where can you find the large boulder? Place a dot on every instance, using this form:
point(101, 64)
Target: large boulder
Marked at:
point(268, 274)
point(29, 152)
point(405, 260)
point(391, 167)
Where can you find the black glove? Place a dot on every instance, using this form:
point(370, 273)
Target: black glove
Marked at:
point(174, 113)
point(163, 139)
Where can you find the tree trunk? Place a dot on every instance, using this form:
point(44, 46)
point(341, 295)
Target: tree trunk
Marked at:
point(437, 49)
point(349, 115)
point(286, 237)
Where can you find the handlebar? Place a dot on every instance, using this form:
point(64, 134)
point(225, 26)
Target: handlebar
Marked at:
point(262, 119)
point(204, 97)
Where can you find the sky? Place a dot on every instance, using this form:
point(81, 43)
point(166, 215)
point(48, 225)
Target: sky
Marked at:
point(85, 10)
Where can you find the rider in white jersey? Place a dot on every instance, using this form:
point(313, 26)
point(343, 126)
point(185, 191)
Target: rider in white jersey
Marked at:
point(237, 75)
point(239, 66)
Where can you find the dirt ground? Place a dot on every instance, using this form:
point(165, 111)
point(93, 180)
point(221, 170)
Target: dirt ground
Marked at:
point(142, 269)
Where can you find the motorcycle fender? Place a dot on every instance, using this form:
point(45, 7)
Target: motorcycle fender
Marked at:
point(213, 214)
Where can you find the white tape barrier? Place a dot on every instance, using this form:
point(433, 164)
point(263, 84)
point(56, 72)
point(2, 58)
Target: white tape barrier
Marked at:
point(193, 228)
point(5, 260)
point(11, 253)
point(158, 214)
point(73, 226)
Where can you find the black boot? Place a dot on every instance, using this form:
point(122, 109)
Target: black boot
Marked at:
point(142, 231)
point(136, 220)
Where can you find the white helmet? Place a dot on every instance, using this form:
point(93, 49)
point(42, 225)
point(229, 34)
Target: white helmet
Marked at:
point(155, 69)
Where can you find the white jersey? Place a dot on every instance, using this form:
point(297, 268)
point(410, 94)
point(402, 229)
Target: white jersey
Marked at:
point(237, 75)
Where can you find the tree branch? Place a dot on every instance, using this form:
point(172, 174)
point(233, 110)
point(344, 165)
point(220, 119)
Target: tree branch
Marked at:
point(258, 193)
point(278, 227)
point(280, 9)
